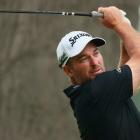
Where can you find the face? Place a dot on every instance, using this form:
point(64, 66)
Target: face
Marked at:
point(86, 65)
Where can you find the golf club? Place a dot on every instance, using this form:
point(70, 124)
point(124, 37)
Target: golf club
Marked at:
point(88, 14)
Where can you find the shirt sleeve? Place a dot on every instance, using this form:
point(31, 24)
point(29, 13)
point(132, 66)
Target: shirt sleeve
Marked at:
point(112, 88)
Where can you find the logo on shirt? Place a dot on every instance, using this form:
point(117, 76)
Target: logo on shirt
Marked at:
point(119, 70)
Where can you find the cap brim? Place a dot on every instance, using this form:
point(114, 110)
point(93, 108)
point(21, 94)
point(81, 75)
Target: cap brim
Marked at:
point(98, 41)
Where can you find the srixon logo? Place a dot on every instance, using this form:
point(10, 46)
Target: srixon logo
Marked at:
point(73, 40)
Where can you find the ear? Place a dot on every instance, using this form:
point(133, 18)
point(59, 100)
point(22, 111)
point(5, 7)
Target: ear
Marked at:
point(67, 69)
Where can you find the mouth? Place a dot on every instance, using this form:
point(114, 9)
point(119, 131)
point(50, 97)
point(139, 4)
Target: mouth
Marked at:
point(96, 72)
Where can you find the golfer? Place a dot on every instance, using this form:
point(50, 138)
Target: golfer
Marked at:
point(101, 100)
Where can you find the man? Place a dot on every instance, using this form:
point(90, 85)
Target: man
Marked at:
point(101, 100)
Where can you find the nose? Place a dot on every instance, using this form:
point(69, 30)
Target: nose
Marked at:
point(93, 60)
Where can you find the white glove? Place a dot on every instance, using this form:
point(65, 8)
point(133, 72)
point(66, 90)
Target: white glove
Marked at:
point(97, 14)
point(125, 18)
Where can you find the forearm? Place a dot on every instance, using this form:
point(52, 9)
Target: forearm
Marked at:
point(123, 55)
point(114, 19)
point(130, 37)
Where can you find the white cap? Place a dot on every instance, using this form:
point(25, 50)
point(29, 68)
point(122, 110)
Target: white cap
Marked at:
point(73, 43)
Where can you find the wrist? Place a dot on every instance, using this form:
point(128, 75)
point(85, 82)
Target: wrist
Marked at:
point(124, 29)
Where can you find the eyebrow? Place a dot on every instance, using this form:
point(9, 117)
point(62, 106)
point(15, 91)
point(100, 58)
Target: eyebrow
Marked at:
point(82, 55)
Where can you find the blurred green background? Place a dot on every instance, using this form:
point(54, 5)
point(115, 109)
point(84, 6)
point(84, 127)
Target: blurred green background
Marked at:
point(32, 104)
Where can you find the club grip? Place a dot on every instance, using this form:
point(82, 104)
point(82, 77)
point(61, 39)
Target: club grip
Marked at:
point(96, 14)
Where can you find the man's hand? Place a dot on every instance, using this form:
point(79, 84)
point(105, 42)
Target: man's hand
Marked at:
point(113, 16)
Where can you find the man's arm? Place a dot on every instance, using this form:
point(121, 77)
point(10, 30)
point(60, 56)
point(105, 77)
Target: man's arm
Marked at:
point(123, 55)
point(114, 19)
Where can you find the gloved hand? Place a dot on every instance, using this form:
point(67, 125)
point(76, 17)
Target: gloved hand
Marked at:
point(112, 16)
point(125, 18)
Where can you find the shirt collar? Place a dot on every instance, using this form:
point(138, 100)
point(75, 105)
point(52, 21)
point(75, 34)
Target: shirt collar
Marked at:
point(70, 90)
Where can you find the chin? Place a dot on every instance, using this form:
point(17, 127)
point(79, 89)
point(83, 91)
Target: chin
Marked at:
point(95, 74)
point(92, 77)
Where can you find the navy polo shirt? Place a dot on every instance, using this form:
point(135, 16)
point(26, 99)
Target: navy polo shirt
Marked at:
point(103, 107)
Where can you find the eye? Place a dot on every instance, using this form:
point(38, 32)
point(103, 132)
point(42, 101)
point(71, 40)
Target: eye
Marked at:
point(83, 58)
point(96, 52)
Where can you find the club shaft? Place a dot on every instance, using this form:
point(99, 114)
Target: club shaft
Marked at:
point(88, 14)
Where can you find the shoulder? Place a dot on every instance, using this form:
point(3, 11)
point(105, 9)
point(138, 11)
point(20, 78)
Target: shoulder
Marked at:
point(121, 73)
point(110, 80)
